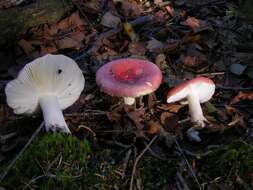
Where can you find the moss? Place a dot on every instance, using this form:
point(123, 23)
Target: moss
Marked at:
point(16, 20)
point(52, 160)
point(57, 161)
point(157, 174)
point(233, 161)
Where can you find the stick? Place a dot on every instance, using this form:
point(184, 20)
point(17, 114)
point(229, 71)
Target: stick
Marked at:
point(21, 152)
point(138, 159)
point(233, 87)
point(188, 164)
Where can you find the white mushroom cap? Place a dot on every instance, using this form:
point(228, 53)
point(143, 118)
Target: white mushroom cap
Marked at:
point(50, 75)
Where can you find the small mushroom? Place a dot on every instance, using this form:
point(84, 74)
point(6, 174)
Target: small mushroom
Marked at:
point(51, 82)
point(195, 91)
point(129, 78)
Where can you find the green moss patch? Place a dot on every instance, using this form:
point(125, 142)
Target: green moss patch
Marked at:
point(233, 164)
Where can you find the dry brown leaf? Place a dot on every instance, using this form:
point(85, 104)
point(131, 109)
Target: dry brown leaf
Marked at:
point(170, 10)
point(68, 43)
point(242, 96)
point(128, 8)
point(153, 127)
point(137, 48)
point(164, 117)
point(74, 21)
point(68, 33)
point(27, 46)
point(157, 2)
point(155, 45)
point(110, 20)
point(193, 58)
point(192, 22)
point(173, 108)
point(136, 115)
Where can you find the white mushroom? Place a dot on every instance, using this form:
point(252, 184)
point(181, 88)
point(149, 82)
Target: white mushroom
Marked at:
point(51, 82)
point(195, 91)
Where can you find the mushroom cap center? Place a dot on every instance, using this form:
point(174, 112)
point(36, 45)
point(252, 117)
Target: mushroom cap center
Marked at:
point(127, 72)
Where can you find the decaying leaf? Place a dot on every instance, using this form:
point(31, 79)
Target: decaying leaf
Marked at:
point(194, 23)
point(153, 127)
point(136, 115)
point(193, 58)
point(27, 46)
point(164, 116)
point(130, 31)
point(155, 45)
point(242, 96)
point(137, 48)
point(110, 20)
point(128, 8)
point(68, 33)
point(236, 117)
point(170, 10)
point(173, 108)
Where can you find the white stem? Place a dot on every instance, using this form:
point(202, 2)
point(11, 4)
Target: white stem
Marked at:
point(53, 117)
point(195, 109)
point(129, 100)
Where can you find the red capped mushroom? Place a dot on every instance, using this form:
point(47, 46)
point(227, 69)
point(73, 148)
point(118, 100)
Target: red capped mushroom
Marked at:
point(129, 78)
point(195, 91)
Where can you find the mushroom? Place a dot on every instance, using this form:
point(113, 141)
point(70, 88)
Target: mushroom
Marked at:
point(129, 78)
point(195, 91)
point(51, 82)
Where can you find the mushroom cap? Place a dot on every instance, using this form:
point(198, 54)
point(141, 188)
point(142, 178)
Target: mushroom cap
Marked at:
point(203, 87)
point(55, 75)
point(129, 77)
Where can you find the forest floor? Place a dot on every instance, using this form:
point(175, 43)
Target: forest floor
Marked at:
point(113, 146)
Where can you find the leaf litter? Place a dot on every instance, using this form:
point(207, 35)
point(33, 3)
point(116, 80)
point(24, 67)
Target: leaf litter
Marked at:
point(185, 39)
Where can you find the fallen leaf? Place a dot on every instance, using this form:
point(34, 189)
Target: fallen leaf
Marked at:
point(136, 115)
point(153, 127)
point(165, 116)
point(173, 108)
point(193, 58)
point(27, 46)
point(242, 96)
point(193, 23)
point(170, 10)
point(137, 48)
point(110, 20)
point(130, 31)
point(155, 45)
point(68, 43)
point(128, 8)
point(68, 33)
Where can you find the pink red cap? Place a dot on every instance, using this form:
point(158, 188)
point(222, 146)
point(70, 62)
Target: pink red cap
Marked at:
point(129, 77)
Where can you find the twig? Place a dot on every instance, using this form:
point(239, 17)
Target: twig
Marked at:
point(138, 159)
point(182, 185)
point(233, 87)
point(187, 163)
point(211, 74)
point(21, 152)
point(125, 162)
